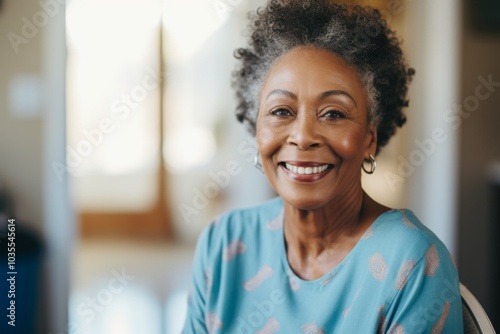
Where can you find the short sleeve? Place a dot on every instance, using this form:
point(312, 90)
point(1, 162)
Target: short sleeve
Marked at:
point(197, 297)
point(427, 296)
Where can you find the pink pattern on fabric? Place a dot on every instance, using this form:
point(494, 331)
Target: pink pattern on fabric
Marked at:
point(368, 233)
point(378, 266)
point(271, 326)
point(264, 273)
point(431, 261)
point(294, 282)
point(213, 323)
point(406, 221)
point(233, 249)
point(439, 326)
point(396, 329)
point(403, 273)
point(312, 328)
point(276, 223)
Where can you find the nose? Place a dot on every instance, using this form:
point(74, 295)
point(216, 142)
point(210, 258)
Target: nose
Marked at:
point(304, 133)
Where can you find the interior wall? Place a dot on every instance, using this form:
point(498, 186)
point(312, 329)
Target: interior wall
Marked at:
point(429, 163)
point(29, 143)
point(20, 138)
point(479, 147)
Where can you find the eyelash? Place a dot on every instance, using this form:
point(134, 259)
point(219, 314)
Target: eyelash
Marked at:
point(337, 113)
point(275, 112)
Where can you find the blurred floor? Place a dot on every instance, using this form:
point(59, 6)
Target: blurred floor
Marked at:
point(121, 287)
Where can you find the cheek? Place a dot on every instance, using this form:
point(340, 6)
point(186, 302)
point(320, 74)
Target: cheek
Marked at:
point(266, 140)
point(349, 144)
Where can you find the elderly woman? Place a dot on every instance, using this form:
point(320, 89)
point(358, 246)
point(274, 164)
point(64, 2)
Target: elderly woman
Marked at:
point(322, 86)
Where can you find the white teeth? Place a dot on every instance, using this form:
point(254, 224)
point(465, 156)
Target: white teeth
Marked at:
point(306, 170)
point(294, 169)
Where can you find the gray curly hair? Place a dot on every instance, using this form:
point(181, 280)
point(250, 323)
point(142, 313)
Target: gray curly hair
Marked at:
point(358, 35)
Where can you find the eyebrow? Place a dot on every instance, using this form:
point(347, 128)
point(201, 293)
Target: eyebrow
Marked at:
point(282, 92)
point(323, 95)
point(337, 92)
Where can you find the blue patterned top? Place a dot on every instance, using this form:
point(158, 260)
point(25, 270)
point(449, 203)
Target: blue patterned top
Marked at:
point(399, 278)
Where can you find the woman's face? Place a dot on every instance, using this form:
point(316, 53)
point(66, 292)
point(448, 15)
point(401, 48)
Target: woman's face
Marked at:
point(312, 128)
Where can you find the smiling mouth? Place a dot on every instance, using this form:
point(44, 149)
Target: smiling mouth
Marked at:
point(306, 168)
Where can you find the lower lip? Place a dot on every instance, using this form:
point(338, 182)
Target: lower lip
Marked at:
point(306, 177)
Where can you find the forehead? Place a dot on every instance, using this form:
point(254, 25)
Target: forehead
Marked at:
point(313, 70)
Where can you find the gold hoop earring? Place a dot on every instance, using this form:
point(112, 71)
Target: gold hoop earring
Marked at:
point(373, 165)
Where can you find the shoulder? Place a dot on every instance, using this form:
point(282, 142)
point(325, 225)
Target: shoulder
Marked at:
point(403, 236)
point(421, 279)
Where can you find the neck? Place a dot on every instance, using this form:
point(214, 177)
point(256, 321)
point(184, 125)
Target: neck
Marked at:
point(334, 227)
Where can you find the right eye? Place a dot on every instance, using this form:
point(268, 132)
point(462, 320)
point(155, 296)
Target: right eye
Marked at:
point(280, 112)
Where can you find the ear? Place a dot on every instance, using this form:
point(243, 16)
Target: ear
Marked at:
point(371, 138)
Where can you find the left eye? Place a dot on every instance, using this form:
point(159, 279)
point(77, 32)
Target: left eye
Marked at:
point(334, 114)
point(281, 112)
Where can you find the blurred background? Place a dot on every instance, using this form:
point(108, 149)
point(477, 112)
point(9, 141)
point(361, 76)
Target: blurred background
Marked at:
point(118, 144)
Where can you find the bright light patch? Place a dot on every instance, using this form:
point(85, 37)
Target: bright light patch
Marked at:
point(189, 147)
point(176, 311)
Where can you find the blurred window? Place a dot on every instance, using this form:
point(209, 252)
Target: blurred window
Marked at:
point(113, 102)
